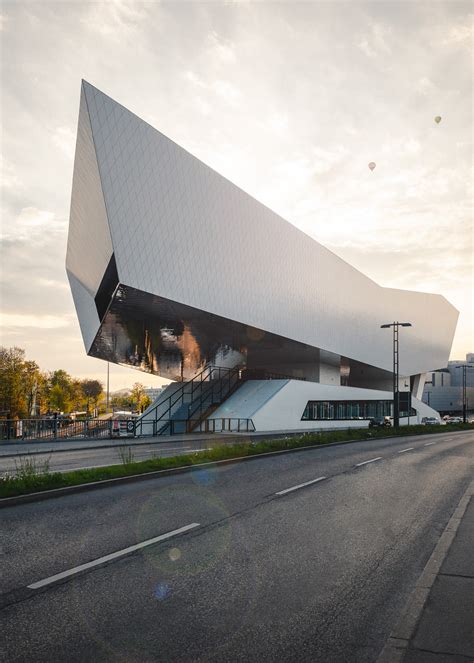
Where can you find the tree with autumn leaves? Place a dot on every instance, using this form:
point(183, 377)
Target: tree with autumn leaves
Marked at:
point(26, 391)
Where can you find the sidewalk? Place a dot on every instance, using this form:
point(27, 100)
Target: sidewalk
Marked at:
point(22, 447)
point(438, 625)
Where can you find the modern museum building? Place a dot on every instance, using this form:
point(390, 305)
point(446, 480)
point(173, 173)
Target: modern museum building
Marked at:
point(176, 271)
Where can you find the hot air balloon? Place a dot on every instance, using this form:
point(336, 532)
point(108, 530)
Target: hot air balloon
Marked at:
point(372, 165)
point(438, 119)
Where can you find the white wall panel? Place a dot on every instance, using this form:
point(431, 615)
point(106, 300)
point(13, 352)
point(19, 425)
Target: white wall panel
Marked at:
point(278, 405)
point(89, 245)
point(184, 232)
point(86, 310)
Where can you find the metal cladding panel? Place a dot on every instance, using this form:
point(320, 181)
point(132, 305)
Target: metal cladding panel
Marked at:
point(183, 232)
point(89, 246)
point(86, 310)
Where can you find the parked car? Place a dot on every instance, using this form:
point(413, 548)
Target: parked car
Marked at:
point(454, 420)
point(430, 421)
point(380, 422)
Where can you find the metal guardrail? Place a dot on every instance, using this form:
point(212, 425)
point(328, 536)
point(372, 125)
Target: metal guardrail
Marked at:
point(231, 425)
point(176, 426)
point(64, 429)
point(263, 374)
point(100, 429)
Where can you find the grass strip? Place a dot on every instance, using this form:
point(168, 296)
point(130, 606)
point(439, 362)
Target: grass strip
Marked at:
point(30, 477)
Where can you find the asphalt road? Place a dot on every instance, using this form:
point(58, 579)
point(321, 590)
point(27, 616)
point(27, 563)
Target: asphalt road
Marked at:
point(318, 573)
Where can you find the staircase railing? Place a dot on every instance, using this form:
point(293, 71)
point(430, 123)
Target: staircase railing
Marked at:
point(207, 388)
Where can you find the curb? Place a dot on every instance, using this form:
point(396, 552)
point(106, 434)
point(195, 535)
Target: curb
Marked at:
point(138, 441)
point(142, 441)
point(154, 474)
point(397, 643)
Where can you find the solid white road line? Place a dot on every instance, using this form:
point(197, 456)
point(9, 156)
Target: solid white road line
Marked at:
point(372, 460)
point(428, 444)
point(403, 450)
point(301, 485)
point(107, 558)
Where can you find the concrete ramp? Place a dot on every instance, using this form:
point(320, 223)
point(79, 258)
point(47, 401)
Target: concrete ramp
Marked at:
point(248, 399)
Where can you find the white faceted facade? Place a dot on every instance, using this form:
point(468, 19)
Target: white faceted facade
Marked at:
point(172, 267)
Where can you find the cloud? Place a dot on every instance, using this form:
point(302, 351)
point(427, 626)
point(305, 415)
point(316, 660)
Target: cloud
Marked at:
point(46, 321)
point(425, 86)
point(223, 90)
point(288, 100)
point(376, 41)
point(461, 33)
point(114, 19)
point(65, 140)
point(32, 223)
point(8, 176)
point(228, 92)
point(277, 122)
point(221, 50)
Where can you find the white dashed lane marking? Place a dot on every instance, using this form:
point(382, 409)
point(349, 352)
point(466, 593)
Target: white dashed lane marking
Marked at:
point(108, 558)
point(300, 485)
point(372, 460)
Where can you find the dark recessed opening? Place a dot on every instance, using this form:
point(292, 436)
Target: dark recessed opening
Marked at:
point(107, 287)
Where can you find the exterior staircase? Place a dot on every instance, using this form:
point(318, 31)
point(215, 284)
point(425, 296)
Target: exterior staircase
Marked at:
point(181, 408)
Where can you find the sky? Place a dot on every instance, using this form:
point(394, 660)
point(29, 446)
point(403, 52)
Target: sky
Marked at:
point(290, 101)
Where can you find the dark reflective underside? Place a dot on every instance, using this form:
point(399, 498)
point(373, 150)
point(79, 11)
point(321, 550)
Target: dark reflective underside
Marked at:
point(176, 341)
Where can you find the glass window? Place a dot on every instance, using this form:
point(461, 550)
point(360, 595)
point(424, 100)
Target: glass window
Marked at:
point(346, 410)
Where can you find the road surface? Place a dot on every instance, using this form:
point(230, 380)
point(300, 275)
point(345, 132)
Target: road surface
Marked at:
point(307, 556)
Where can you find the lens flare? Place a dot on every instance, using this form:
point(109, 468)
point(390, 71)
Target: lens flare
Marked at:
point(203, 477)
point(174, 554)
point(162, 591)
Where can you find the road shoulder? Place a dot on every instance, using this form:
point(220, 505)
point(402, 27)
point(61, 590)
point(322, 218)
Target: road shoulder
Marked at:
point(436, 623)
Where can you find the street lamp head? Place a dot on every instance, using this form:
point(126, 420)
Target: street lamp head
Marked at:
point(385, 326)
point(405, 324)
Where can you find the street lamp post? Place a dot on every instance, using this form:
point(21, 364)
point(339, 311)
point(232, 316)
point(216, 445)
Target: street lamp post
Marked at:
point(464, 390)
point(108, 391)
point(396, 395)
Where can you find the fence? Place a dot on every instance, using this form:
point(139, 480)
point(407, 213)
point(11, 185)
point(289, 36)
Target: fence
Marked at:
point(56, 429)
point(59, 429)
point(176, 426)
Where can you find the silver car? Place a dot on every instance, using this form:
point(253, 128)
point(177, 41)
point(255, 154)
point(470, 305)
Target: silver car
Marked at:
point(430, 421)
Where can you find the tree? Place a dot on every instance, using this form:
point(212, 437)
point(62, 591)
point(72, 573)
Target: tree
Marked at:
point(145, 402)
point(139, 398)
point(78, 399)
point(58, 399)
point(12, 402)
point(121, 401)
point(25, 391)
point(91, 389)
point(19, 380)
point(60, 391)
